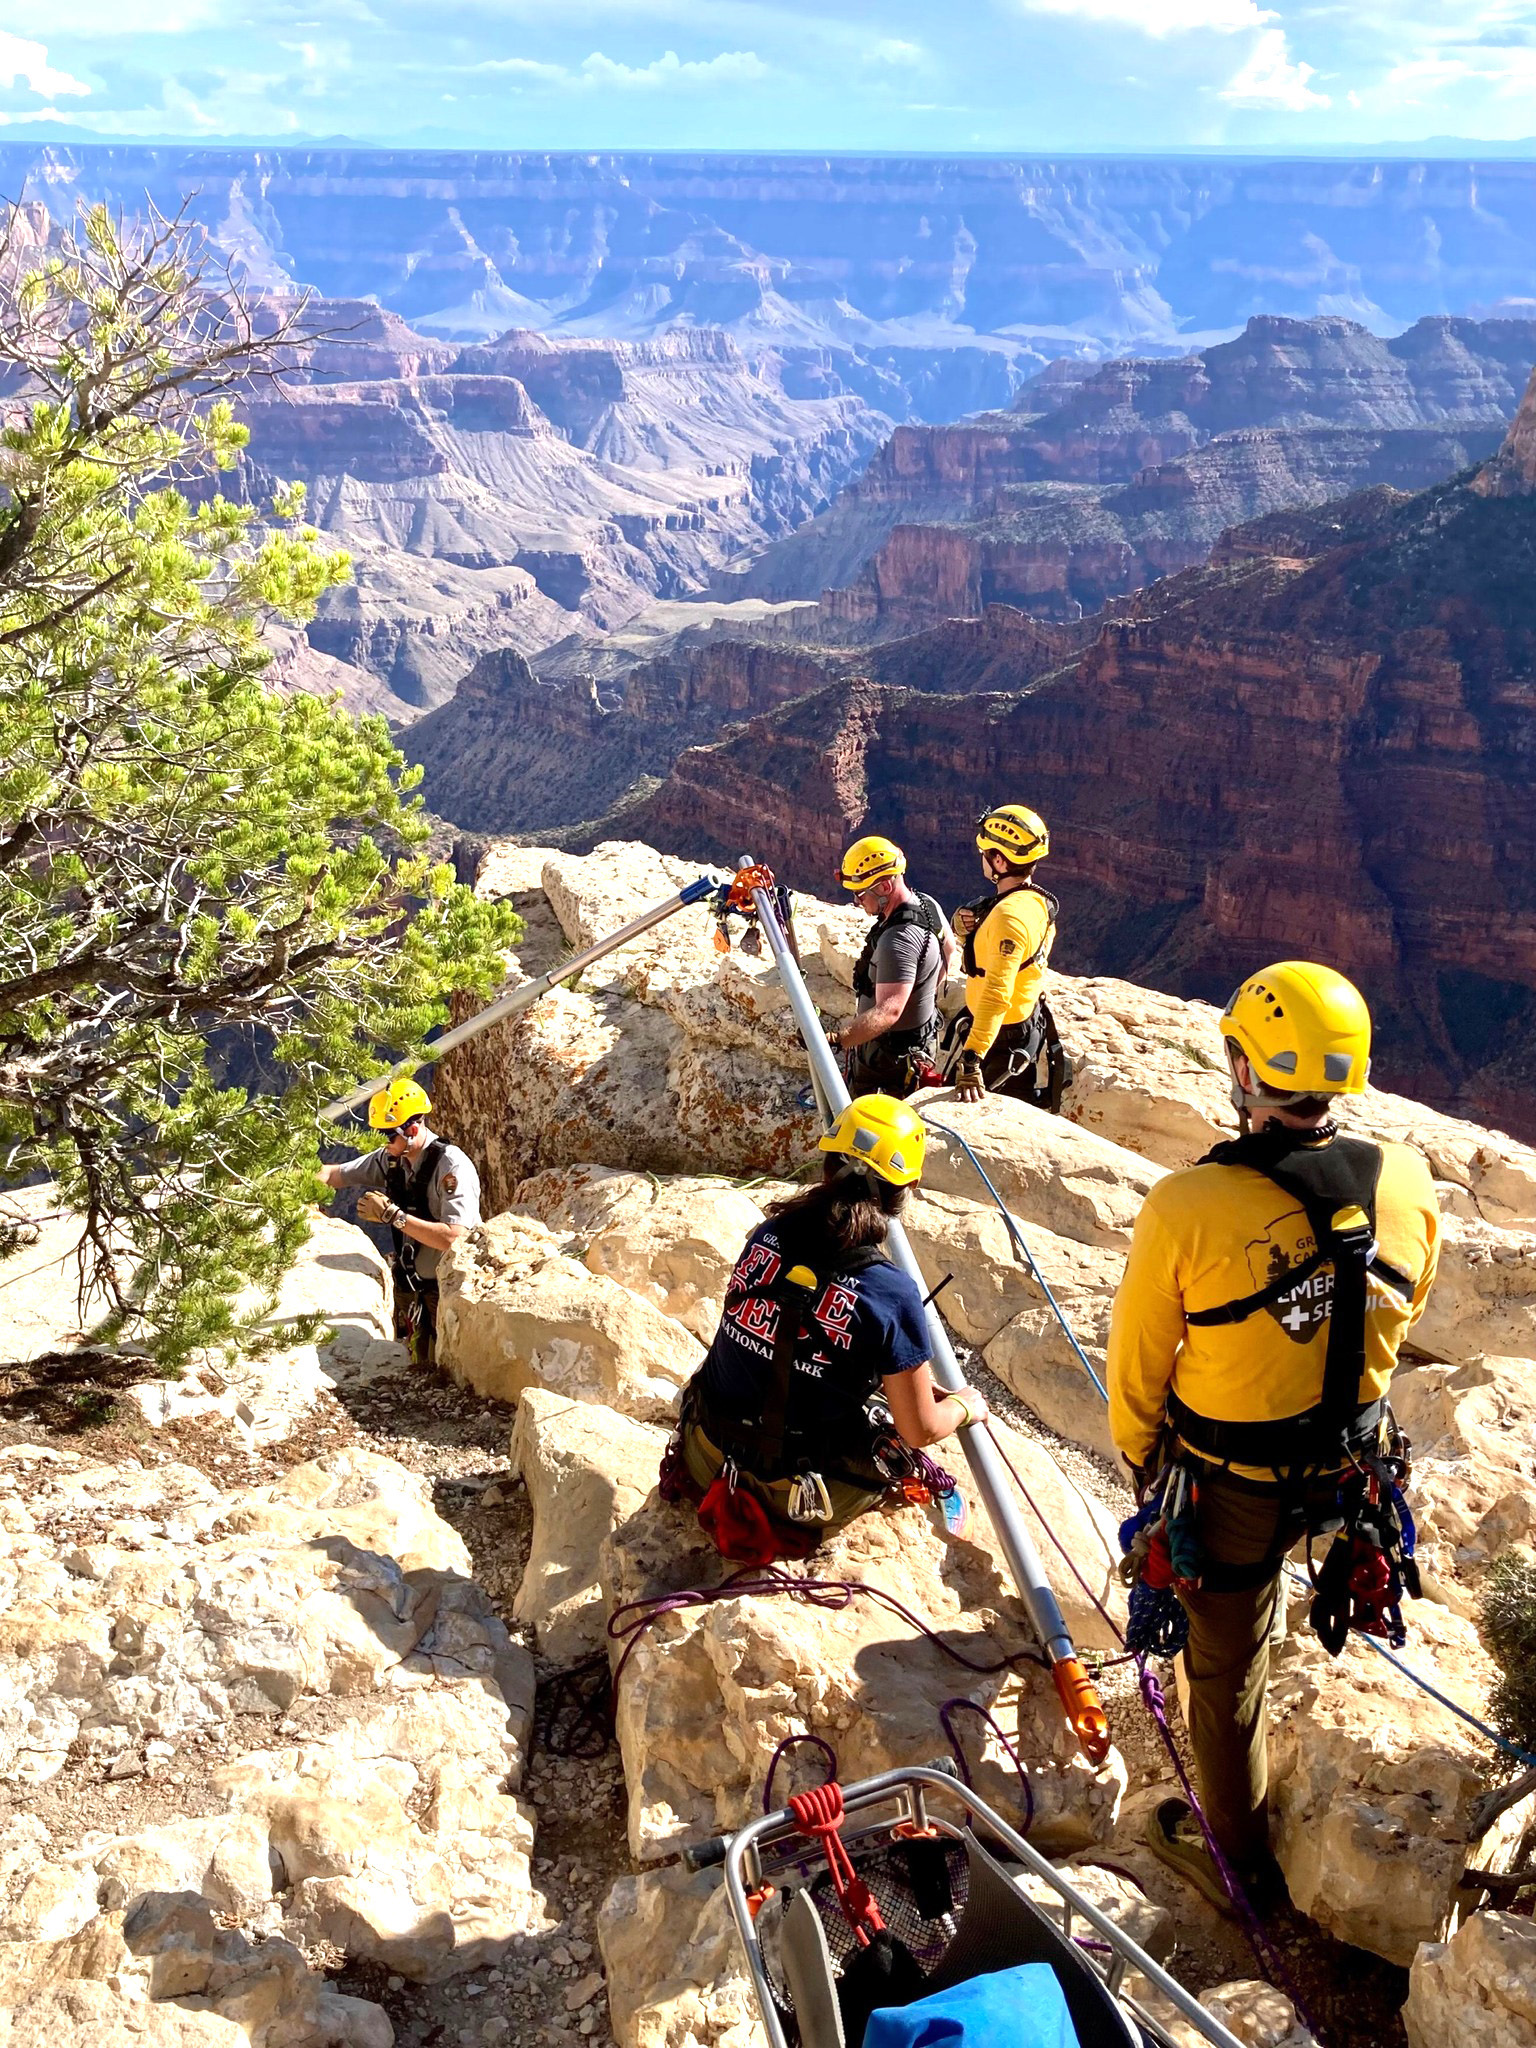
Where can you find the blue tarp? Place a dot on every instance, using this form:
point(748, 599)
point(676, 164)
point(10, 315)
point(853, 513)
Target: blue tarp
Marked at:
point(1018, 2008)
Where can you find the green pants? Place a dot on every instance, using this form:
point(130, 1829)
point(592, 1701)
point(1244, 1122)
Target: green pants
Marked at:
point(705, 1463)
point(1227, 1661)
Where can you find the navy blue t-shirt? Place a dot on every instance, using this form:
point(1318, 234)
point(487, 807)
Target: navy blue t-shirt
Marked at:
point(867, 1324)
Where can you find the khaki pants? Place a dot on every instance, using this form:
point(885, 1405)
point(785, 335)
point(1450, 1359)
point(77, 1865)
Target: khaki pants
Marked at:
point(706, 1462)
point(1227, 1661)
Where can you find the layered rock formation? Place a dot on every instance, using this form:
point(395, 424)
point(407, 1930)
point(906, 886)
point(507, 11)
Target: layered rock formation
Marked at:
point(498, 496)
point(901, 259)
point(1091, 486)
point(1315, 746)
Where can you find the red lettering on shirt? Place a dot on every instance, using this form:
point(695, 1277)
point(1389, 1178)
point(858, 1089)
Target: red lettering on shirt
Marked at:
point(758, 1315)
point(835, 1312)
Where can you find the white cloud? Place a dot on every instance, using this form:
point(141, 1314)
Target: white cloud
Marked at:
point(1272, 78)
point(24, 63)
point(525, 67)
point(730, 67)
point(663, 73)
point(892, 50)
point(1162, 17)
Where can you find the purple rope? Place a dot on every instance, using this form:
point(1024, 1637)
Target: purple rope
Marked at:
point(629, 1623)
point(1152, 1695)
point(789, 1742)
point(1252, 1926)
point(957, 1705)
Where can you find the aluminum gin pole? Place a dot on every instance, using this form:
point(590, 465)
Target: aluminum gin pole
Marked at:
point(523, 998)
point(1078, 1698)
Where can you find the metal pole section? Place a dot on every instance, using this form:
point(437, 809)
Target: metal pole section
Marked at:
point(975, 1439)
point(523, 998)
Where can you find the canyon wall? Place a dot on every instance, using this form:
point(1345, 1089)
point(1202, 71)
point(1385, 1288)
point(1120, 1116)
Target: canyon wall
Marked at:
point(500, 496)
point(1018, 257)
point(1319, 744)
point(1098, 480)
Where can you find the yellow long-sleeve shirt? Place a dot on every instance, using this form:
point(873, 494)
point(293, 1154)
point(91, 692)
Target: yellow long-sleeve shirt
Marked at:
point(1011, 976)
point(1214, 1234)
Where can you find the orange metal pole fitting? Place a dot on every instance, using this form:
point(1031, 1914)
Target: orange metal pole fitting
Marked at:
point(748, 879)
point(1080, 1701)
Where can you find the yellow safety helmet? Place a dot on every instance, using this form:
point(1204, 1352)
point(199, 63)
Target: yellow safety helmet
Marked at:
point(396, 1103)
point(882, 1134)
point(1014, 831)
point(1306, 1029)
point(870, 860)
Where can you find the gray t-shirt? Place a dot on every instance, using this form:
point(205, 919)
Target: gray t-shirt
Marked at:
point(453, 1197)
point(911, 953)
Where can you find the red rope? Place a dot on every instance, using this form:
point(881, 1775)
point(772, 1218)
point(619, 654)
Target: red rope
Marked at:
point(819, 1813)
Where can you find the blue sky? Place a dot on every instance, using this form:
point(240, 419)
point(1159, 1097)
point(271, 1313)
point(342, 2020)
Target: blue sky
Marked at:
point(989, 75)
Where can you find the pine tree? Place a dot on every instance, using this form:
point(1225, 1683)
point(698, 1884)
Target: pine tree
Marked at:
point(188, 860)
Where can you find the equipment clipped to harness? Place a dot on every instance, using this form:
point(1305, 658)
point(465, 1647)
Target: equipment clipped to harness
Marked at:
point(1370, 1563)
point(1162, 1560)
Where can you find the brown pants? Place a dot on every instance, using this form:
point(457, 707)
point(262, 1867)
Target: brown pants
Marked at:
point(1227, 1661)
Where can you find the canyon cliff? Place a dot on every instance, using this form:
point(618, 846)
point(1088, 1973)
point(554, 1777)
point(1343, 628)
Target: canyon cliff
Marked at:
point(886, 263)
point(1098, 481)
point(501, 495)
point(1320, 743)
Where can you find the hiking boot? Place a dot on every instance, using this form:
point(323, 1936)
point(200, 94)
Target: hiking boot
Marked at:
point(1175, 1838)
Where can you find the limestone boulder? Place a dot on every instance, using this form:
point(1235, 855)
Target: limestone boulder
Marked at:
point(672, 1242)
point(1477, 1990)
point(707, 1694)
point(397, 1840)
point(587, 1469)
point(1033, 1354)
point(517, 1311)
point(1254, 2012)
point(1373, 1784)
point(1149, 1070)
point(1473, 1429)
point(1048, 1170)
point(676, 1978)
point(966, 1244)
point(1483, 1301)
point(740, 1113)
point(594, 894)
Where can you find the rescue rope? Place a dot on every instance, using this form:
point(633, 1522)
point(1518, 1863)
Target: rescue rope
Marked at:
point(630, 1622)
point(1022, 1250)
point(946, 1721)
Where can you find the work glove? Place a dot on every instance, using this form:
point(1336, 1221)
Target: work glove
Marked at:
point(374, 1207)
point(969, 1085)
point(963, 923)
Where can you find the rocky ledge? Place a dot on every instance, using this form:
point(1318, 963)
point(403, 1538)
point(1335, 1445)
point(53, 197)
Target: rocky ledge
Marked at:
point(279, 1635)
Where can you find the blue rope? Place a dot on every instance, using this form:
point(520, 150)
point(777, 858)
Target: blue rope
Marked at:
point(1022, 1250)
point(1500, 1742)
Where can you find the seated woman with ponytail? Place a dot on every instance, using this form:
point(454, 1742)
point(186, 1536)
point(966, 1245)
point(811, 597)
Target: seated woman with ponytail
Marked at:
point(816, 1393)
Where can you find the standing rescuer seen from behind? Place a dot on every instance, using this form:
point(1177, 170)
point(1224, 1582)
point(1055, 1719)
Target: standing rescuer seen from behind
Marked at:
point(908, 956)
point(1266, 1296)
point(1008, 939)
point(816, 1390)
point(426, 1190)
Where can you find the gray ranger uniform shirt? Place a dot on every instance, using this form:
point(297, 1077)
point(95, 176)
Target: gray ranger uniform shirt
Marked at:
point(453, 1197)
point(909, 953)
